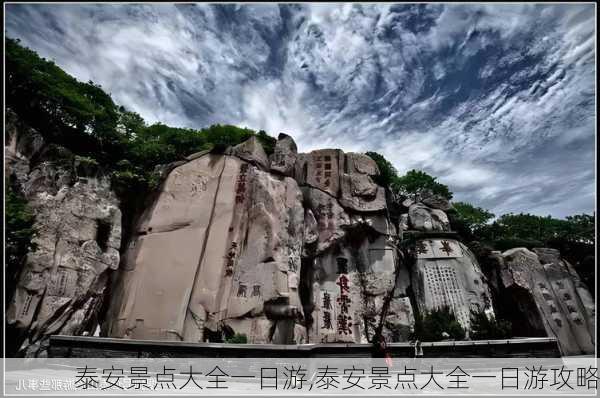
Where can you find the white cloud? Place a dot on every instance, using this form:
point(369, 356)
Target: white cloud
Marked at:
point(478, 95)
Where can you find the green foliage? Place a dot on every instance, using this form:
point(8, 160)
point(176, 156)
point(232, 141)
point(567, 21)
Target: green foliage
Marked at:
point(19, 229)
point(474, 217)
point(538, 229)
point(238, 338)
point(79, 116)
point(266, 141)
point(431, 325)
point(581, 228)
point(86, 166)
point(387, 172)
point(416, 183)
point(413, 183)
point(488, 328)
point(572, 236)
point(82, 118)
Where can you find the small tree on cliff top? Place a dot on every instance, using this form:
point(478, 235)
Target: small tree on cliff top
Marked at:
point(416, 183)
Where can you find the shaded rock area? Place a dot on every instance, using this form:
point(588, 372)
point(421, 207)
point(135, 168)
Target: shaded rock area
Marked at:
point(61, 285)
point(288, 249)
point(546, 298)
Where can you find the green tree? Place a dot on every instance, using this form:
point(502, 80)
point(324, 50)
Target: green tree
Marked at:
point(416, 183)
point(238, 338)
point(84, 119)
point(580, 227)
point(77, 115)
point(488, 328)
point(19, 219)
point(19, 229)
point(433, 324)
point(467, 219)
point(475, 217)
point(387, 173)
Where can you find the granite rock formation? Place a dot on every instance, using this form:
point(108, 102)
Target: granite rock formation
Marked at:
point(287, 248)
point(547, 298)
point(229, 247)
point(61, 285)
point(218, 250)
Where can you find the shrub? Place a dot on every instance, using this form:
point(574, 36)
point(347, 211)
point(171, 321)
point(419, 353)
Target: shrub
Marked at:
point(432, 325)
point(238, 338)
point(484, 327)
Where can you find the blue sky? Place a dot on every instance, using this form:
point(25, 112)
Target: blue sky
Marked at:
point(497, 101)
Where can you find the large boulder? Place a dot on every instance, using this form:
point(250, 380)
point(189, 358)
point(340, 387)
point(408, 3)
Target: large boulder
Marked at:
point(447, 274)
point(351, 283)
point(426, 219)
point(360, 193)
point(548, 298)
point(220, 251)
point(357, 163)
point(62, 283)
point(331, 218)
point(283, 159)
point(437, 202)
point(251, 151)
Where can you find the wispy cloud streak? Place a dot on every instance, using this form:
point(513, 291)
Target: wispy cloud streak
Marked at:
point(496, 100)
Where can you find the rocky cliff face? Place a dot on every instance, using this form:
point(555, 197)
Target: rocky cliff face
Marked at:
point(291, 248)
point(60, 287)
point(546, 297)
point(295, 248)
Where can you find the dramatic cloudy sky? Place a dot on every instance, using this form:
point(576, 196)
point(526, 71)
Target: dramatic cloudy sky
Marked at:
point(498, 101)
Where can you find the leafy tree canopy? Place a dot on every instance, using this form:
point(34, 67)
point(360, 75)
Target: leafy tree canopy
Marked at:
point(84, 119)
point(414, 183)
point(433, 324)
point(488, 328)
point(417, 183)
point(474, 217)
point(387, 172)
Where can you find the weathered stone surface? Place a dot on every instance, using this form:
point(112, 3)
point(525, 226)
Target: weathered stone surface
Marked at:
point(78, 223)
point(352, 282)
point(331, 218)
point(252, 151)
point(323, 169)
point(357, 163)
point(437, 202)
point(551, 297)
point(377, 221)
point(404, 222)
point(399, 321)
point(311, 229)
point(232, 244)
point(423, 218)
point(283, 159)
point(360, 193)
point(447, 274)
point(22, 143)
point(219, 249)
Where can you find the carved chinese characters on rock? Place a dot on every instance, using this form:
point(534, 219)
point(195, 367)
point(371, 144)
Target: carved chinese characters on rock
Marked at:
point(323, 167)
point(421, 247)
point(445, 289)
point(326, 309)
point(344, 320)
point(446, 248)
point(240, 189)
